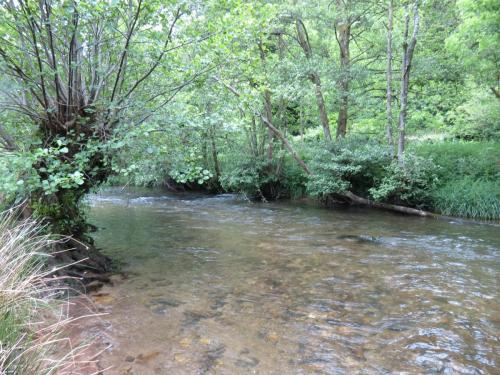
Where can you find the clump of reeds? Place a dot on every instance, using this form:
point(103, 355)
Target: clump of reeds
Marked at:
point(476, 199)
point(33, 314)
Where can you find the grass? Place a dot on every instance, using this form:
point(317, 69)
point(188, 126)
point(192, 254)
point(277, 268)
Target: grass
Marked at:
point(476, 199)
point(469, 176)
point(33, 315)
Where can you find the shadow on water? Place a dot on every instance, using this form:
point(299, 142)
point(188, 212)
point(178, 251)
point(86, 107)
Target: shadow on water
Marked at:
point(217, 285)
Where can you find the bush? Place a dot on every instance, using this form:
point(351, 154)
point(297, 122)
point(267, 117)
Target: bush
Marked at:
point(353, 163)
point(260, 178)
point(466, 197)
point(410, 184)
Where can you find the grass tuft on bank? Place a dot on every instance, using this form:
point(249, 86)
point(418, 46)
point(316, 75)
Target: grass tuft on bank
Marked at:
point(32, 313)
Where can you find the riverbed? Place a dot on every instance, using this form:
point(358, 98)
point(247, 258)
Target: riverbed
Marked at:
point(219, 285)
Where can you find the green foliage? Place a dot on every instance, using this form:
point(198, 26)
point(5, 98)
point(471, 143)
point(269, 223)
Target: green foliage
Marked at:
point(55, 182)
point(42, 169)
point(249, 176)
point(477, 33)
point(478, 160)
point(478, 118)
point(467, 197)
point(259, 178)
point(410, 184)
point(190, 171)
point(351, 163)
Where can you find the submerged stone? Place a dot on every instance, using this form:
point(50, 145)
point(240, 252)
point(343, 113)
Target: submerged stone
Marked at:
point(248, 362)
point(358, 238)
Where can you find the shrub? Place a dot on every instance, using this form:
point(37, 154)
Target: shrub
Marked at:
point(410, 184)
point(248, 176)
point(353, 163)
point(261, 178)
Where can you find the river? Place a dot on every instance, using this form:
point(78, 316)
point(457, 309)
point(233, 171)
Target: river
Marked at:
point(218, 285)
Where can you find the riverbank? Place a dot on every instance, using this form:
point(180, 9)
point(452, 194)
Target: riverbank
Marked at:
point(453, 178)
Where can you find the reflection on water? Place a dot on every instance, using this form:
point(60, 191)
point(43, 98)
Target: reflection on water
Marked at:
point(215, 285)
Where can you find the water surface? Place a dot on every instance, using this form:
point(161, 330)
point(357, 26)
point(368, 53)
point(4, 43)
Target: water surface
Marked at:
point(217, 285)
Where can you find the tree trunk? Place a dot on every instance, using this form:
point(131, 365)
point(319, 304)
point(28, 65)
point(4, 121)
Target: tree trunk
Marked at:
point(315, 79)
point(269, 115)
point(301, 124)
point(343, 33)
point(321, 107)
point(408, 49)
point(285, 142)
point(215, 155)
point(390, 140)
point(268, 111)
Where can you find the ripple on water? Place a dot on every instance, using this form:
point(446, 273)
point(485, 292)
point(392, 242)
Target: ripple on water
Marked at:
point(219, 285)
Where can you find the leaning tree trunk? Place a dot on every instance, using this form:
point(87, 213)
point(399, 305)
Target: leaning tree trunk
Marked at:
point(408, 49)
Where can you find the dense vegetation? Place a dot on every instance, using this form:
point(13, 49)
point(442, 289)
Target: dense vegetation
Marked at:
point(391, 101)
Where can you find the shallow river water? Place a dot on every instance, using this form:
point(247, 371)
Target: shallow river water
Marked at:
point(217, 285)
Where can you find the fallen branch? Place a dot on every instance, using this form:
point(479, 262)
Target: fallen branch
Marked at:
point(387, 206)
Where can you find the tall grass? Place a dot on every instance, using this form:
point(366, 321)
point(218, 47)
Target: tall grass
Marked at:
point(476, 199)
point(33, 315)
point(469, 175)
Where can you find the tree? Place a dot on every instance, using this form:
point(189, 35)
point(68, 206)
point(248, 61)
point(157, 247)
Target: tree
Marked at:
point(351, 20)
point(408, 49)
point(390, 140)
point(478, 34)
point(80, 70)
point(303, 39)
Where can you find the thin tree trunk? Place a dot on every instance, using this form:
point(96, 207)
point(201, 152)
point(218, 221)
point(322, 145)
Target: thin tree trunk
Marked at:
point(343, 33)
point(204, 150)
point(269, 115)
point(408, 49)
point(321, 107)
point(253, 137)
point(301, 124)
point(215, 154)
point(390, 140)
point(267, 106)
point(315, 79)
